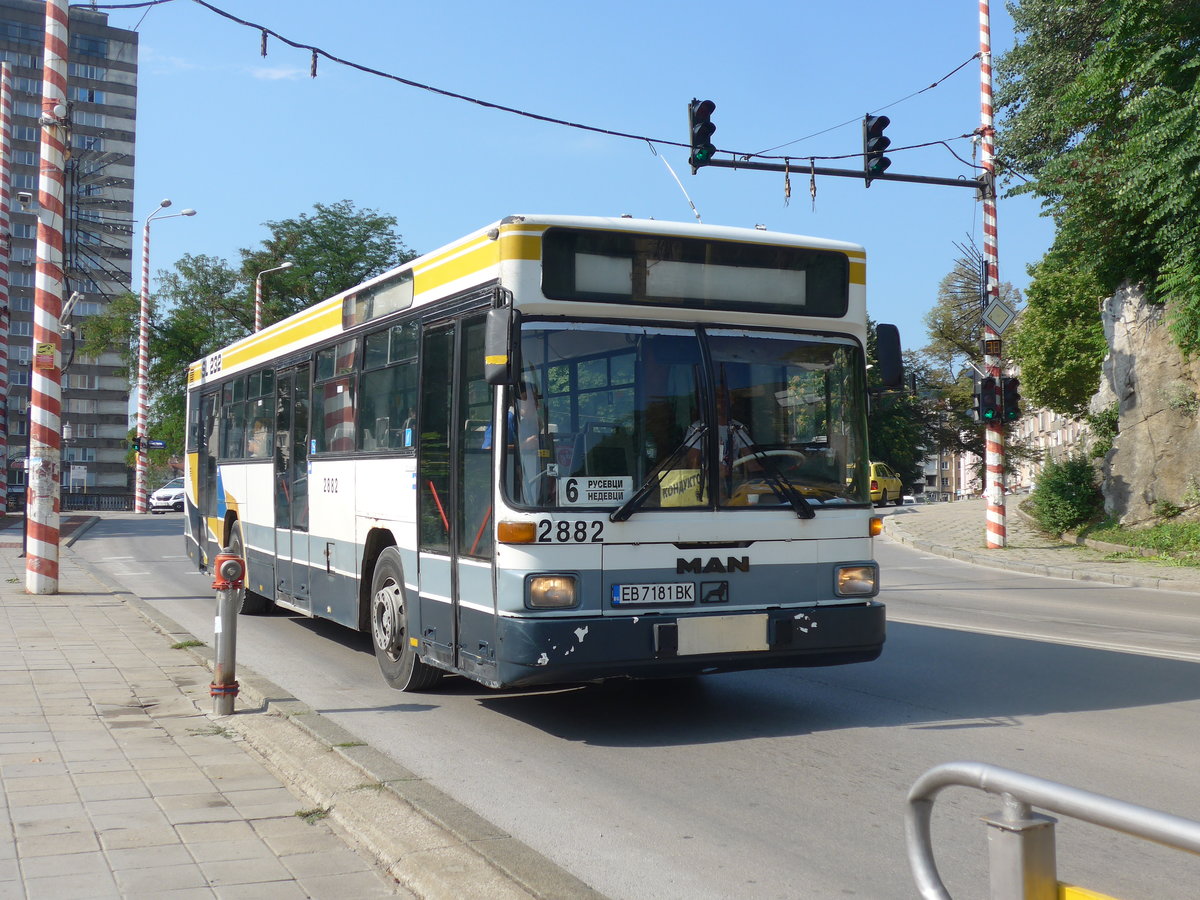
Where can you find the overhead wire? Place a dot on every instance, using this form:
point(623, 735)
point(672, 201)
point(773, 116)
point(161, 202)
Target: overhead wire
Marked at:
point(316, 52)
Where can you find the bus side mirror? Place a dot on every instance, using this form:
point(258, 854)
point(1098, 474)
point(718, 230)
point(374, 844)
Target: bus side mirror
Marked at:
point(502, 346)
point(887, 354)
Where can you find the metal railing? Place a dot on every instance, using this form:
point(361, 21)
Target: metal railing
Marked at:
point(1021, 844)
point(75, 502)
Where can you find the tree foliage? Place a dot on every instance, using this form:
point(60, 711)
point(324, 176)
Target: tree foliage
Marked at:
point(1100, 107)
point(204, 303)
point(955, 322)
point(331, 249)
point(1059, 340)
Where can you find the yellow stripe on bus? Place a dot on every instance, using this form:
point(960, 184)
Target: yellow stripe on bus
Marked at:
point(1075, 892)
point(268, 343)
point(858, 272)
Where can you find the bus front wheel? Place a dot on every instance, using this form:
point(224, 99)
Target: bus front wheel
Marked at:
point(253, 604)
point(389, 628)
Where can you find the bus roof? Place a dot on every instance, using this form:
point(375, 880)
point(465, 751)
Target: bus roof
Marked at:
point(467, 260)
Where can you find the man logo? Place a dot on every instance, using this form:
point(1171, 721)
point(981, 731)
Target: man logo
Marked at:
point(713, 564)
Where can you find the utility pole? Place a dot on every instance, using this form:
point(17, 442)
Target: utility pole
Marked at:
point(993, 435)
point(45, 381)
point(6, 118)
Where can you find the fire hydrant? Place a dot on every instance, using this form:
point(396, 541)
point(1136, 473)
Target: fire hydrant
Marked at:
point(229, 573)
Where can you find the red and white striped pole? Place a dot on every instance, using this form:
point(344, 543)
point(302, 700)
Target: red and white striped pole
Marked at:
point(45, 382)
point(258, 292)
point(6, 121)
point(143, 401)
point(997, 526)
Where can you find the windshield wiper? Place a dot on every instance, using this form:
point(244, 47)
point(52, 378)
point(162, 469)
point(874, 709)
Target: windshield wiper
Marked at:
point(630, 506)
point(779, 483)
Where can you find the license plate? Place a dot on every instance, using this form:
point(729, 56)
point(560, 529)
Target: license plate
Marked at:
point(653, 594)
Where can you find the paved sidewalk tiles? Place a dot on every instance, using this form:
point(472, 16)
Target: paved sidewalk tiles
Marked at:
point(115, 783)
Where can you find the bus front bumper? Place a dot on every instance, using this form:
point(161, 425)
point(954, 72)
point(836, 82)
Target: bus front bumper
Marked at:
point(546, 651)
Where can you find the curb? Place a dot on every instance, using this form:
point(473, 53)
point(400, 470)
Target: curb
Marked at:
point(430, 843)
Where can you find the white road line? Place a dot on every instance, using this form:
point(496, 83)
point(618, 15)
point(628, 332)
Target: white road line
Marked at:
point(1182, 655)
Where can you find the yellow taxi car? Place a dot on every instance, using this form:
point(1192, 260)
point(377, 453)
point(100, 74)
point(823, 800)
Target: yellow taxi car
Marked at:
point(885, 485)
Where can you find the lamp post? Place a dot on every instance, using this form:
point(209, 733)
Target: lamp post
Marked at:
point(144, 354)
point(258, 292)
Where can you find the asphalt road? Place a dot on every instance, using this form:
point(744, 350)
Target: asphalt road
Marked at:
point(780, 784)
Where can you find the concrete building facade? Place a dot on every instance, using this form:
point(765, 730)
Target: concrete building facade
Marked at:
point(98, 238)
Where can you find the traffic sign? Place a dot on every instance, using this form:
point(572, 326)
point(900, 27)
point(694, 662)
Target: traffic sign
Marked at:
point(999, 315)
point(156, 445)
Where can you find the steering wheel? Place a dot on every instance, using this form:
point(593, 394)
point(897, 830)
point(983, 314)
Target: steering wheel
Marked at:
point(753, 457)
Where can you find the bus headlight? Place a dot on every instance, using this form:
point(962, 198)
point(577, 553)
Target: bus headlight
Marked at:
point(856, 581)
point(551, 591)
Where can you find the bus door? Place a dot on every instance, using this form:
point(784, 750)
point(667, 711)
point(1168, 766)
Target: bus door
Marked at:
point(454, 471)
point(206, 521)
point(291, 487)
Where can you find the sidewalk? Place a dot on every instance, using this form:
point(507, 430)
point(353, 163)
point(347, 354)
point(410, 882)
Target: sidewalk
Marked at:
point(113, 780)
point(957, 530)
point(116, 782)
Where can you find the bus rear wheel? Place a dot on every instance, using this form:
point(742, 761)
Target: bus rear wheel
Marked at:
point(398, 660)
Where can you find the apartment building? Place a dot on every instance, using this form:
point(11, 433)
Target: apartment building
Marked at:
point(102, 100)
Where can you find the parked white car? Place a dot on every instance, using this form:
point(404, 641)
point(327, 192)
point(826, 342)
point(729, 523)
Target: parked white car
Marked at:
point(168, 497)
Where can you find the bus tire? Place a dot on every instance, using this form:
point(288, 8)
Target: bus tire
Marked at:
point(398, 660)
point(252, 604)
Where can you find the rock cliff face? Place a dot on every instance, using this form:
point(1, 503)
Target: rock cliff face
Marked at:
point(1155, 460)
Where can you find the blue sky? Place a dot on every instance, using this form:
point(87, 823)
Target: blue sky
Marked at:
point(245, 140)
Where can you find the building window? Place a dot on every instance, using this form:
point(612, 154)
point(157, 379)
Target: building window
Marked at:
point(20, 376)
point(86, 94)
point(26, 133)
point(25, 158)
point(21, 279)
point(83, 382)
point(92, 46)
point(87, 141)
point(945, 482)
point(95, 120)
point(27, 182)
point(24, 230)
point(28, 85)
point(86, 407)
point(22, 329)
point(82, 70)
point(26, 108)
point(24, 60)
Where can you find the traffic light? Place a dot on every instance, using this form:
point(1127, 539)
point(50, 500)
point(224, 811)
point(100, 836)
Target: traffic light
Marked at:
point(1010, 388)
point(701, 128)
point(874, 143)
point(989, 403)
point(136, 444)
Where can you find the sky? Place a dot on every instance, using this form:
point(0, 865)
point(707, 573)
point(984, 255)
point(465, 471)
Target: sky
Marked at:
point(245, 140)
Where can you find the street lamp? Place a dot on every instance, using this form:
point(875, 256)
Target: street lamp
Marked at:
point(144, 354)
point(258, 292)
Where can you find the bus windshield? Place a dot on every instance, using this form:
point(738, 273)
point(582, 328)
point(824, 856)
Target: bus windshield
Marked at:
point(689, 418)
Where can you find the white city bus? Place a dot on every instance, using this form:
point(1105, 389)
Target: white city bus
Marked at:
point(560, 449)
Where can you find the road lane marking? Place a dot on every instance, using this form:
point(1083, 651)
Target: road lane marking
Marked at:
point(1180, 655)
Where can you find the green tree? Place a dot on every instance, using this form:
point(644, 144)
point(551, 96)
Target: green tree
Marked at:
point(955, 321)
point(203, 303)
point(1059, 341)
point(332, 249)
point(1100, 107)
